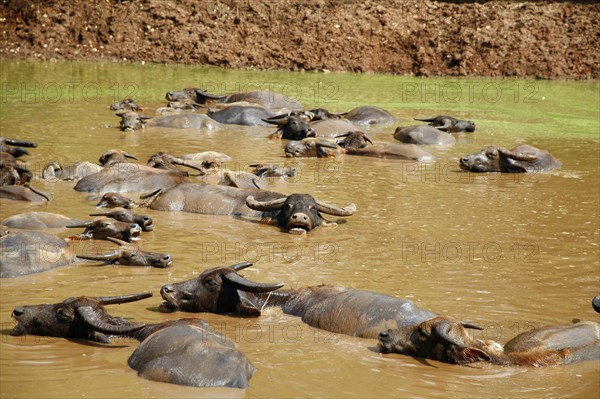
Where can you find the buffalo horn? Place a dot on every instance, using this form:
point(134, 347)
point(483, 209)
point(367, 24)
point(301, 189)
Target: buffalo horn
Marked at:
point(211, 96)
point(517, 157)
point(93, 319)
point(471, 325)
point(111, 256)
point(20, 143)
point(273, 205)
point(189, 164)
point(38, 192)
point(240, 283)
point(85, 224)
point(367, 139)
point(240, 266)
point(117, 241)
point(336, 210)
point(111, 300)
point(276, 121)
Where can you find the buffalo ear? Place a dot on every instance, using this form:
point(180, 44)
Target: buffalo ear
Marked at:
point(63, 314)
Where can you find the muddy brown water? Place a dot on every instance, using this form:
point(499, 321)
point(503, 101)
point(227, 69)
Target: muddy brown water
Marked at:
point(509, 252)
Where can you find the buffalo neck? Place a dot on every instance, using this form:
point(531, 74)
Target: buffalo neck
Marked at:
point(291, 301)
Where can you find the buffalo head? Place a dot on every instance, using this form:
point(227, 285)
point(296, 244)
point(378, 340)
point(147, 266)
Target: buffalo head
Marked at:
point(101, 229)
point(440, 338)
point(125, 105)
point(292, 127)
point(299, 213)
point(312, 147)
point(111, 157)
point(131, 255)
point(521, 159)
point(216, 290)
point(131, 120)
point(113, 200)
point(83, 317)
point(128, 216)
point(353, 140)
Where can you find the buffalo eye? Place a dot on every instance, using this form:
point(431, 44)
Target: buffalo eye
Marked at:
point(64, 314)
point(186, 296)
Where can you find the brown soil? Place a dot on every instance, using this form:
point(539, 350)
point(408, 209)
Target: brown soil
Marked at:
point(426, 38)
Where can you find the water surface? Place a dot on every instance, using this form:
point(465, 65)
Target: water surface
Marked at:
point(509, 252)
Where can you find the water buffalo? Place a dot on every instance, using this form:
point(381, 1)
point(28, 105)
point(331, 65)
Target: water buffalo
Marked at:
point(521, 159)
point(449, 124)
point(446, 339)
point(76, 171)
point(29, 252)
point(127, 216)
point(13, 172)
point(23, 193)
point(317, 147)
point(596, 303)
point(10, 146)
point(291, 127)
point(126, 177)
point(131, 121)
point(80, 318)
point(336, 309)
point(242, 115)
point(266, 98)
point(296, 213)
point(423, 135)
point(369, 115)
point(130, 255)
point(189, 352)
point(297, 127)
point(38, 221)
point(127, 104)
point(101, 229)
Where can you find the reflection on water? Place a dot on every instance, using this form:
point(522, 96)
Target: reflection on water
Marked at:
point(509, 252)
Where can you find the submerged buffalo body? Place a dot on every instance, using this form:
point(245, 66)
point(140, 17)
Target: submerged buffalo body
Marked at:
point(242, 115)
point(23, 193)
point(317, 147)
point(337, 309)
point(446, 339)
point(369, 115)
point(189, 352)
point(125, 177)
point(295, 213)
point(423, 135)
point(266, 98)
point(131, 121)
point(521, 159)
point(128, 216)
point(38, 221)
point(31, 252)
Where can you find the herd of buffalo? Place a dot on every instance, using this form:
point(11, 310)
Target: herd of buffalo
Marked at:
point(187, 351)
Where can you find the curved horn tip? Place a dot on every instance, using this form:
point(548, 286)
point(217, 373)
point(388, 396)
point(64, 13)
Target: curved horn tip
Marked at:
point(241, 266)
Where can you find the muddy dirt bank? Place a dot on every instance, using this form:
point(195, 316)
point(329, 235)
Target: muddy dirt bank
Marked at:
point(426, 38)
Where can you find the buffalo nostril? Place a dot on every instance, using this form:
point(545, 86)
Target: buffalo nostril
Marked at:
point(18, 311)
point(167, 257)
point(147, 218)
point(167, 289)
point(383, 334)
point(463, 160)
